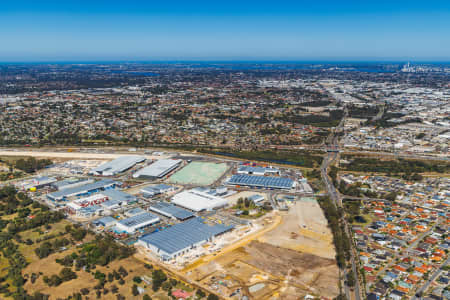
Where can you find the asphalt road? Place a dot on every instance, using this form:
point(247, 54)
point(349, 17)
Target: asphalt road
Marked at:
point(334, 195)
point(432, 278)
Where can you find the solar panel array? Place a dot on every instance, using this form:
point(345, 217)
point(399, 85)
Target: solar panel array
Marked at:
point(184, 235)
point(138, 219)
point(171, 210)
point(262, 181)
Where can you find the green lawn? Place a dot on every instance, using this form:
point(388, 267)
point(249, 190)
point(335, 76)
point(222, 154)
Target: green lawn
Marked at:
point(199, 173)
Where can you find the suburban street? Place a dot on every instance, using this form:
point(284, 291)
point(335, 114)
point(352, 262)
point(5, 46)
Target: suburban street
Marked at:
point(432, 278)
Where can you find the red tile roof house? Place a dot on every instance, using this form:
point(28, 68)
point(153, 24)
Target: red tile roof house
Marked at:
point(180, 294)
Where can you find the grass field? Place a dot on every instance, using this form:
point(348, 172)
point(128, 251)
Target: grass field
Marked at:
point(199, 173)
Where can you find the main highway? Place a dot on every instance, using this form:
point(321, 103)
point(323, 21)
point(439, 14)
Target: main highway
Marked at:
point(331, 156)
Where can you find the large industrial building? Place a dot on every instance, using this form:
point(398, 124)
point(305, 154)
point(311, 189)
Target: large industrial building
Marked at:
point(171, 211)
point(158, 189)
point(85, 189)
point(37, 182)
point(182, 237)
point(262, 181)
point(262, 171)
point(118, 165)
point(132, 224)
point(109, 200)
point(117, 195)
point(78, 206)
point(71, 183)
point(158, 169)
point(198, 200)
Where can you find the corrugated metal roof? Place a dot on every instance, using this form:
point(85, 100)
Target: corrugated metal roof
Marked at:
point(261, 181)
point(171, 210)
point(158, 169)
point(117, 195)
point(263, 170)
point(119, 164)
point(183, 235)
point(82, 188)
point(138, 219)
point(198, 200)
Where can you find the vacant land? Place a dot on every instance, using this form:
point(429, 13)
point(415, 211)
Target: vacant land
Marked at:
point(48, 266)
point(199, 173)
point(292, 260)
point(275, 269)
point(304, 228)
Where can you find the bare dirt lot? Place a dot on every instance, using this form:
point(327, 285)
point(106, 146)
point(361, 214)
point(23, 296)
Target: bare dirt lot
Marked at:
point(277, 269)
point(292, 260)
point(304, 228)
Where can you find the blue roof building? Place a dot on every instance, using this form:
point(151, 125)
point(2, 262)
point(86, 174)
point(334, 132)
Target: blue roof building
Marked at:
point(262, 181)
point(85, 189)
point(182, 237)
point(171, 211)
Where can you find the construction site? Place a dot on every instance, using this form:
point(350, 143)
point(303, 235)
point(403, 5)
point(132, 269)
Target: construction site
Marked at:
point(291, 256)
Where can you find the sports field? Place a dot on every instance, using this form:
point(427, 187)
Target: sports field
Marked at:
point(199, 173)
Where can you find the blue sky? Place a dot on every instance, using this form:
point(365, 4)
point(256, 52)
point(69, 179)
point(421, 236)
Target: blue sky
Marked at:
point(224, 30)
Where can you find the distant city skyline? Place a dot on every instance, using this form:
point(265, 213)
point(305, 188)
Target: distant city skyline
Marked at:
point(131, 30)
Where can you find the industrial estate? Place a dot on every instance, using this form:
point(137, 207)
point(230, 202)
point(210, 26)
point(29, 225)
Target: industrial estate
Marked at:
point(225, 181)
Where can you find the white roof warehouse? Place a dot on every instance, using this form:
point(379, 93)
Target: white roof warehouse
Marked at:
point(130, 225)
point(198, 200)
point(158, 169)
point(118, 165)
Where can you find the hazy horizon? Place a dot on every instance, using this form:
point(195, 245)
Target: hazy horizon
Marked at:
point(238, 30)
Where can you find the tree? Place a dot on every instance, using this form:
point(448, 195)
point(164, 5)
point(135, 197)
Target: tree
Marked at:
point(122, 271)
point(137, 279)
point(134, 290)
point(158, 277)
point(146, 297)
point(391, 196)
point(76, 296)
point(114, 289)
point(78, 234)
point(84, 291)
point(100, 276)
point(67, 274)
point(54, 280)
point(166, 286)
point(200, 293)
point(212, 297)
point(350, 279)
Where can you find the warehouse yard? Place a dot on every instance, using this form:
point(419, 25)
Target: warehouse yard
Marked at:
point(199, 173)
